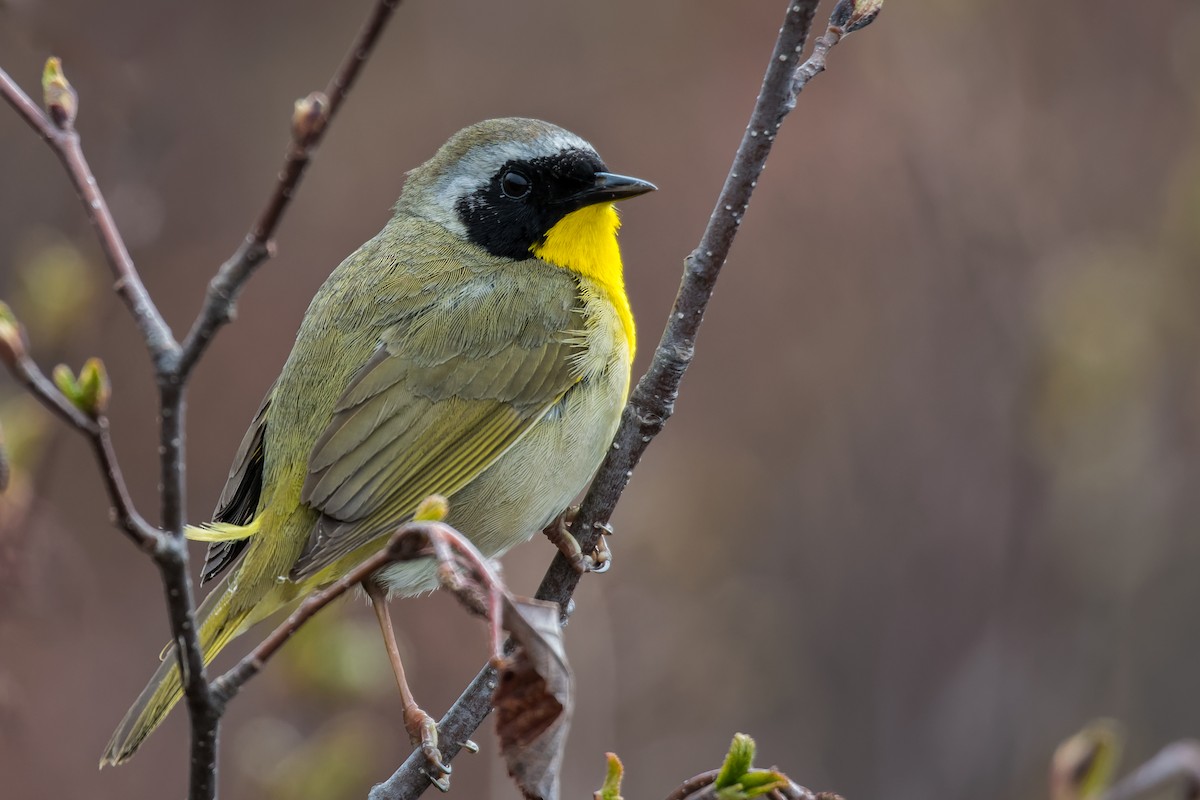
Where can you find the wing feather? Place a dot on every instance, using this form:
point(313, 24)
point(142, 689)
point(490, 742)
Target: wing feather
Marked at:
point(238, 502)
point(430, 410)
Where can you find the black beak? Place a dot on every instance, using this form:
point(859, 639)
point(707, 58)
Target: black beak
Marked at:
point(609, 187)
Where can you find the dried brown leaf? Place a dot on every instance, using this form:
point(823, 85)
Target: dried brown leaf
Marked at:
point(534, 698)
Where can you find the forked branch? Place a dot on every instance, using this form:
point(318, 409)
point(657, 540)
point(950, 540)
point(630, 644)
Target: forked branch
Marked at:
point(309, 123)
point(173, 362)
point(653, 400)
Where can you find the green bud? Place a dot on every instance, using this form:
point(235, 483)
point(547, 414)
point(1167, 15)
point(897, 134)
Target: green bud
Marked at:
point(611, 790)
point(64, 379)
point(738, 780)
point(853, 15)
point(12, 337)
point(59, 97)
point(94, 388)
point(89, 392)
point(737, 761)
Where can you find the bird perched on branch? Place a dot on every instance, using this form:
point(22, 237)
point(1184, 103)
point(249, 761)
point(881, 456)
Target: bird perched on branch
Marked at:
point(478, 347)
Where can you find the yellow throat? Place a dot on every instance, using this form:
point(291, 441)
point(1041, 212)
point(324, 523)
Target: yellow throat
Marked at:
point(585, 242)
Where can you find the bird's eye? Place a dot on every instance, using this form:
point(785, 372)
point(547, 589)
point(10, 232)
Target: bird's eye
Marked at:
point(514, 184)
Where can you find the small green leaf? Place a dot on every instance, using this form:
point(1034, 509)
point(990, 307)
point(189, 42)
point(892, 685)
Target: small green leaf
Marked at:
point(94, 388)
point(758, 782)
point(90, 391)
point(737, 761)
point(64, 379)
point(611, 790)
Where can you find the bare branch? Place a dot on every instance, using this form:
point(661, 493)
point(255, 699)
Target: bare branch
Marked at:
point(652, 401)
point(168, 549)
point(126, 517)
point(694, 784)
point(258, 246)
point(64, 141)
point(228, 684)
point(415, 539)
point(815, 64)
point(172, 362)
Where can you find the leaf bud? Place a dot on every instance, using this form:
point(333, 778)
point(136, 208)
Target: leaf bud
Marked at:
point(94, 387)
point(853, 15)
point(12, 338)
point(309, 117)
point(59, 97)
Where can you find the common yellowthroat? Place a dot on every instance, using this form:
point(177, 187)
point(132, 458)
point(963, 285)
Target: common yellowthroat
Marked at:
point(478, 347)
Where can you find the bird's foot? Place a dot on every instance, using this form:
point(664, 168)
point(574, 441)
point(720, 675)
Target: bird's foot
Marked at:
point(559, 533)
point(422, 732)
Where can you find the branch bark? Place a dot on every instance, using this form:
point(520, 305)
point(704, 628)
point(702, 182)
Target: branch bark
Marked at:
point(311, 120)
point(173, 362)
point(653, 400)
point(125, 516)
point(649, 407)
point(411, 540)
point(65, 143)
point(702, 787)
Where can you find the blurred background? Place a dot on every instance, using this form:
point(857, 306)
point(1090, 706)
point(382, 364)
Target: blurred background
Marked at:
point(930, 499)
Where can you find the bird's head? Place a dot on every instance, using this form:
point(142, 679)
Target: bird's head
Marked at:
point(520, 188)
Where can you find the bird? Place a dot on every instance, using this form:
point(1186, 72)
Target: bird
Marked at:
point(479, 347)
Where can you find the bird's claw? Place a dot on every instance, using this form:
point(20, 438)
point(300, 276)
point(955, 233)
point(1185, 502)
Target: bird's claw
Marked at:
point(601, 557)
point(470, 746)
point(559, 533)
point(426, 736)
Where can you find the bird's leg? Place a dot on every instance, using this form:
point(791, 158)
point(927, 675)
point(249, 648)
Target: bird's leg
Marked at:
point(422, 728)
point(559, 534)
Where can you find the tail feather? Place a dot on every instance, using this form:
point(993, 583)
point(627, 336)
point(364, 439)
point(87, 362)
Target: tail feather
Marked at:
point(220, 625)
point(219, 532)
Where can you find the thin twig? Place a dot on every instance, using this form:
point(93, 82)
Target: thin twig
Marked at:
point(815, 64)
point(1179, 761)
point(64, 142)
point(258, 246)
point(694, 784)
point(416, 539)
point(204, 705)
point(142, 533)
point(173, 364)
point(701, 787)
point(652, 401)
point(167, 547)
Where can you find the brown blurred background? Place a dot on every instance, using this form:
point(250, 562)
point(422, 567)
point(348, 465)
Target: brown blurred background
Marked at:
point(930, 500)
